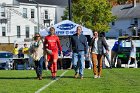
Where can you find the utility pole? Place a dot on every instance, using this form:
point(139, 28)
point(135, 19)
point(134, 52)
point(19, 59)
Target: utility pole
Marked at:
point(70, 12)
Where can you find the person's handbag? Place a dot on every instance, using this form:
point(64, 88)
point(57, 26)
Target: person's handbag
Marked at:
point(49, 51)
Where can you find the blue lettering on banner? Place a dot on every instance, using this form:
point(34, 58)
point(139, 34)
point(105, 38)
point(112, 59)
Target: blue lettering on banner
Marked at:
point(59, 32)
point(66, 26)
point(72, 32)
point(67, 32)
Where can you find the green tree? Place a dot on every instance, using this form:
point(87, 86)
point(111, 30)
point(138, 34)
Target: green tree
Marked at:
point(93, 14)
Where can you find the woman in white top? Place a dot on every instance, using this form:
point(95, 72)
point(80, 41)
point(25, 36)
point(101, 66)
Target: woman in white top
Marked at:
point(132, 52)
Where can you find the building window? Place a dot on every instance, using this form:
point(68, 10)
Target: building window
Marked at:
point(2, 11)
point(18, 32)
point(46, 14)
point(120, 32)
point(35, 30)
point(32, 13)
point(113, 23)
point(27, 33)
point(136, 21)
point(3, 31)
point(25, 12)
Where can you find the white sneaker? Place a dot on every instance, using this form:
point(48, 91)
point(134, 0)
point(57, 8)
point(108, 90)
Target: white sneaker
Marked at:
point(89, 68)
point(95, 76)
point(61, 68)
point(135, 67)
point(32, 68)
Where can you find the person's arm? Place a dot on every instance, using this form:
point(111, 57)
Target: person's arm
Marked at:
point(91, 44)
point(86, 46)
point(59, 46)
point(30, 49)
point(105, 45)
point(70, 45)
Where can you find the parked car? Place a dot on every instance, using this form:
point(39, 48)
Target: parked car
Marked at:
point(6, 60)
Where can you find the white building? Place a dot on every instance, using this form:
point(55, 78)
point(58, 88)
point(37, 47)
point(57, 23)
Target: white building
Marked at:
point(20, 19)
point(128, 21)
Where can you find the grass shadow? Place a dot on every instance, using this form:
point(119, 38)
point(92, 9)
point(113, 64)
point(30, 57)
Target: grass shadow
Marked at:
point(17, 77)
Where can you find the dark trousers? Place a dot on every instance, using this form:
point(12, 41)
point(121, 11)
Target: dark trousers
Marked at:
point(39, 66)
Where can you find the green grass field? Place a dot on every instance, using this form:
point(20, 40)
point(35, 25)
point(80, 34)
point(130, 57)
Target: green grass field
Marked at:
point(116, 80)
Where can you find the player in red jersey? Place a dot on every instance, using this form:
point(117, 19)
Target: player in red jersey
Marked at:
point(52, 42)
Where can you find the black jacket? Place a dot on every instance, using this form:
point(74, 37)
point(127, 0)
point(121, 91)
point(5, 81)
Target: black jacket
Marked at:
point(101, 43)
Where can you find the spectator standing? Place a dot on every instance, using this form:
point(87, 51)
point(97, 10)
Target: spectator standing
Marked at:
point(36, 50)
point(52, 42)
point(97, 45)
point(16, 50)
point(114, 52)
point(25, 51)
point(79, 49)
point(20, 54)
point(132, 52)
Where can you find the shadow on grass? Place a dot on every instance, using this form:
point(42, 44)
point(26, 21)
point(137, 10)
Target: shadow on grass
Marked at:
point(17, 77)
point(44, 77)
point(67, 76)
point(73, 77)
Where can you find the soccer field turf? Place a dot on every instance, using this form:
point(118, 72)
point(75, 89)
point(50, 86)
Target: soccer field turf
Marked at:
point(118, 80)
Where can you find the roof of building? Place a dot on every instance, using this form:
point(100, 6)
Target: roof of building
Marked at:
point(48, 2)
point(126, 11)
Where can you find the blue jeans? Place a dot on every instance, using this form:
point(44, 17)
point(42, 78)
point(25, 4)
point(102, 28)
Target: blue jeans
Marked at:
point(78, 60)
point(39, 66)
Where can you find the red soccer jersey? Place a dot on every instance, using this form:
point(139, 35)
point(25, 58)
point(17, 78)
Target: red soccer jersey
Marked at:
point(52, 42)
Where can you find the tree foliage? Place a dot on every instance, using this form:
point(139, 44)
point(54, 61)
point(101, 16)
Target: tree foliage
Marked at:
point(93, 14)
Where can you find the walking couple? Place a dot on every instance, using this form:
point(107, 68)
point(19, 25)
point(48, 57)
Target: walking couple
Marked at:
point(80, 51)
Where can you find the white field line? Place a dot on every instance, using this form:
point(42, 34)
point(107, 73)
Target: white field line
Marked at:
point(47, 85)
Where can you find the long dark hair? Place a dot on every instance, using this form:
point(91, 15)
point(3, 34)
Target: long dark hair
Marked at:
point(35, 37)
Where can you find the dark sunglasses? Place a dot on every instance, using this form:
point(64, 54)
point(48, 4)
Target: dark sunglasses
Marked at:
point(37, 36)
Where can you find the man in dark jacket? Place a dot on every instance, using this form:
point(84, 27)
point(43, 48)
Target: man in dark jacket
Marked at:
point(96, 46)
point(79, 48)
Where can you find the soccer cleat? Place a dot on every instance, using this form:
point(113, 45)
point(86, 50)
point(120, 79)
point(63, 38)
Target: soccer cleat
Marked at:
point(99, 77)
point(54, 78)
